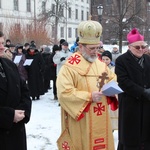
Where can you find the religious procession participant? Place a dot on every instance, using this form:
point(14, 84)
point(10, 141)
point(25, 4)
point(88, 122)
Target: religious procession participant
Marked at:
point(107, 58)
point(84, 109)
point(133, 75)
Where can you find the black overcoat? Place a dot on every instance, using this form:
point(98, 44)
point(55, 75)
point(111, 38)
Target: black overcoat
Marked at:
point(13, 135)
point(35, 74)
point(134, 110)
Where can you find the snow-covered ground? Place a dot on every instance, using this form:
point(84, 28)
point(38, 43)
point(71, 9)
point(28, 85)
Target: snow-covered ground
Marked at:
point(44, 127)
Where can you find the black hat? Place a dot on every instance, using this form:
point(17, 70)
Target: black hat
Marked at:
point(26, 44)
point(12, 45)
point(108, 54)
point(61, 41)
point(55, 48)
point(8, 40)
point(32, 46)
point(65, 43)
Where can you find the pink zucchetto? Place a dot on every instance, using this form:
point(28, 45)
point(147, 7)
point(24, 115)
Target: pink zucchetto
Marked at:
point(134, 36)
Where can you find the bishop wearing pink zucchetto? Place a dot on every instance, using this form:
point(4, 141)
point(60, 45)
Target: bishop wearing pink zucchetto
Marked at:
point(133, 76)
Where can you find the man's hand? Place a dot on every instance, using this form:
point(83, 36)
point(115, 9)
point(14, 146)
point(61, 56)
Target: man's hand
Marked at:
point(62, 58)
point(96, 96)
point(19, 115)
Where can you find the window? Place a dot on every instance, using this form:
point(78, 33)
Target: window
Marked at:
point(108, 2)
point(53, 8)
point(69, 32)
point(87, 15)
point(82, 15)
point(62, 32)
point(0, 4)
point(69, 12)
point(28, 5)
point(16, 6)
point(43, 7)
point(76, 32)
point(76, 17)
point(1, 26)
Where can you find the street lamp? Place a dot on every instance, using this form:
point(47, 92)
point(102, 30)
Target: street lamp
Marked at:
point(100, 12)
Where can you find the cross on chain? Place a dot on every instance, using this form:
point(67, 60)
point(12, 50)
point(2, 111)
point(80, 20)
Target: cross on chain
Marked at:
point(101, 82)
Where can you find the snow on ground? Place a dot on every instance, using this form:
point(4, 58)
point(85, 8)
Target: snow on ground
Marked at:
point(44, 127)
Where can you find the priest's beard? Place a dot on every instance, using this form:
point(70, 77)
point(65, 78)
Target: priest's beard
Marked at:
point(88, 58)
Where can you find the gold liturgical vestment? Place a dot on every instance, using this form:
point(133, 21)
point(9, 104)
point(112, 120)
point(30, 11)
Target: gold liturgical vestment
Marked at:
point(88, 122)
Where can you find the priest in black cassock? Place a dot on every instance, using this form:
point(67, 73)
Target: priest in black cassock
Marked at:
point(133, 75)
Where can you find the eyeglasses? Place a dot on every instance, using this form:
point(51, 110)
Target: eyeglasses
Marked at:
point(92, 48)
point(140, 47)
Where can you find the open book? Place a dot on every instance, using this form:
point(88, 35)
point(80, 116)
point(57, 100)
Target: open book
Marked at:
point(27, 62)
point(17, 59)
point(111, 88)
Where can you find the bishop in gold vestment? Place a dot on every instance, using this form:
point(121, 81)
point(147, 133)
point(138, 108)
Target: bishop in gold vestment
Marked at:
point(87, 122)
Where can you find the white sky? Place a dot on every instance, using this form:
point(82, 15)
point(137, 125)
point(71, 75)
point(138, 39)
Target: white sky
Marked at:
point(44, 127)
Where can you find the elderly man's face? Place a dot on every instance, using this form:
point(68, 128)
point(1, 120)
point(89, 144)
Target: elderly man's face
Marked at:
point(89, 52)
point(138, 48)
point(1, 46)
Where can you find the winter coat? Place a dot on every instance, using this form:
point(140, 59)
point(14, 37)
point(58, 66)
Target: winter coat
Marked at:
point(21, 68)
point(134, 109)
point(73, 47)
point(58, 56)
point(47, 71)
point(115, 55)
point(52, 67)
point(13, 96)
point(35, 74)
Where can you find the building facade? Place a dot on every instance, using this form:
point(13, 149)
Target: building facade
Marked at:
point(25, 12)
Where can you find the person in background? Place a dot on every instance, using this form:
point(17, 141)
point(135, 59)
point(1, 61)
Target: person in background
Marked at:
point(133, 75)
point(7, 54)
point(107, 58)
point(35, 73)
point(25, 48)
point(15, 105)
point(84, 109)
point(60, 43)
point(147, 52)
point(73, 47)
point(53, 67)
point(115, 52)
point(47, 68)
point(8, 42)
point(21, 68)
point(100, 51)
point(61, 56)
point(12, 47)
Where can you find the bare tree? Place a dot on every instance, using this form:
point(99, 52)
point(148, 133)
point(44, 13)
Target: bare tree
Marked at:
point(54, 15)
point(123, 16)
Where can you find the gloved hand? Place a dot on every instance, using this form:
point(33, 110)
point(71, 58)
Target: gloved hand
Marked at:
point(146, 94)
point(62, 58)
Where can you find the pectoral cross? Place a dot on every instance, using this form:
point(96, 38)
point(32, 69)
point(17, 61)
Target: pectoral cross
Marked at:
point(101, 82)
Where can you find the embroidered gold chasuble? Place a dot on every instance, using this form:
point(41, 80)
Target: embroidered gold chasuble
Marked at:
point(88, 122)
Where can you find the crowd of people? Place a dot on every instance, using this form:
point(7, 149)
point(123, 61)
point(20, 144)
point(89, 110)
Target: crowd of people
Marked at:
point(88, 116)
